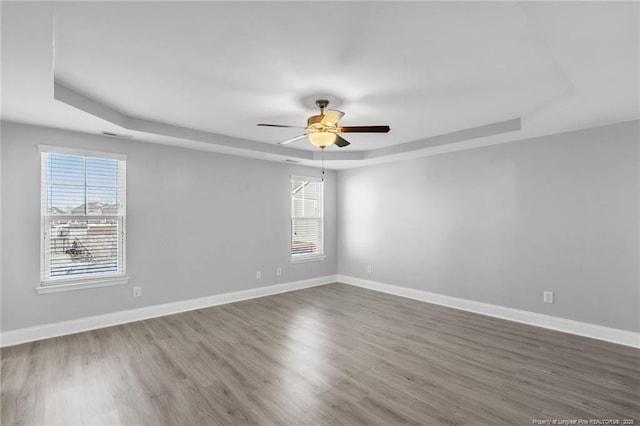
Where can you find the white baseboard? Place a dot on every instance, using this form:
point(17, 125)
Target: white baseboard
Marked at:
point(614, 335)
point(30, 334)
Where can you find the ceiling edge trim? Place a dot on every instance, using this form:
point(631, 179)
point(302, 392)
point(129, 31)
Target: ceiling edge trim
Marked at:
point(492, 129)
point(239, 146)
point(72, 98)
point(91, 106)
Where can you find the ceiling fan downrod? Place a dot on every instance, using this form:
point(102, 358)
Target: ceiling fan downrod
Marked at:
point(322, 104)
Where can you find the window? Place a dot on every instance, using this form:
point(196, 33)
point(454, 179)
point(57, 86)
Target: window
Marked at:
point(307, 222)
point(83, 217)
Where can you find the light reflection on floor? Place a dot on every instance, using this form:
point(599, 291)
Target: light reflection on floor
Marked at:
point(306, 354)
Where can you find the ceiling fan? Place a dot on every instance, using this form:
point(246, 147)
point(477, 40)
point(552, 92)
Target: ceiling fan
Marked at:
point(323, 129)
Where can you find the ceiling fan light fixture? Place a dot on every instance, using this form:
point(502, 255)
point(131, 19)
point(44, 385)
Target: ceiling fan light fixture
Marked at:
point(322, 139)
point(323, 128)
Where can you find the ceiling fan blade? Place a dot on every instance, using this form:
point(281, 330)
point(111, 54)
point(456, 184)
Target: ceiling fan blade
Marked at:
point(279, 125)
point(341, 142)
point(331, 117)
point(364, 129)
point(292, 139)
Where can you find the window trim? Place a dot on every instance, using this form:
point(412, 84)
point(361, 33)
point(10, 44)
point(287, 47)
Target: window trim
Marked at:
point(100, 280)
point(81, 284)
point(303, 258)
point(308, 257)
point(50, 149)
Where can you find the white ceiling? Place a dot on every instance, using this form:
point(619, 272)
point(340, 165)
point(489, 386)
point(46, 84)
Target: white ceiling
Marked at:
point(424, 68)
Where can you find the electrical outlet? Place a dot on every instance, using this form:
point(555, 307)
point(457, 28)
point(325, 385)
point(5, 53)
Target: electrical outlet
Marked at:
point(279, 271)
point(258, 275)
point(137, 291)
point(369, 269)
point(548, 296)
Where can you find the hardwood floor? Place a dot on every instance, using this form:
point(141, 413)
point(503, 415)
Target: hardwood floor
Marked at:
point(327, 355)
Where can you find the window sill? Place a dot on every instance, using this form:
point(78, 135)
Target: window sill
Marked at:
point(81, 284)
point(312, 258)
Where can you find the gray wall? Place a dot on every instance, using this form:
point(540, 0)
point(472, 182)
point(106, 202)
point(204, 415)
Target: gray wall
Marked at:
point(498, 224)
point(198, 224)
point(501, 224)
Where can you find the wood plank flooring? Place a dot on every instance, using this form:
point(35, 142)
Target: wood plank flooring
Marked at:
point(329, 355)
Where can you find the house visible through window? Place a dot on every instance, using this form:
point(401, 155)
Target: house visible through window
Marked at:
point(83, 216)
point(307, 218)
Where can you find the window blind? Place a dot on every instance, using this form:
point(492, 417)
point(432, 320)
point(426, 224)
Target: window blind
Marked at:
point(307, 219)
point(83, 217)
